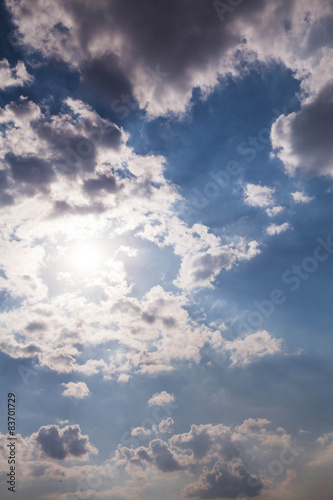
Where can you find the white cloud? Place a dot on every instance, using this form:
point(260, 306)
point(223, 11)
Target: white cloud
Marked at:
point(273, 229)
point(161, 398)
point(300, 197)
point(253, 347)
point(258, 196)
point(76, 390)
point(165, 426)
point(271, 212)
point(16, 76)
point(199, 269)
point(140, 431)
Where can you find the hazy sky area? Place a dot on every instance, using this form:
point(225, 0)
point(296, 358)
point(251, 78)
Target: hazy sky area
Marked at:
point(166, 249)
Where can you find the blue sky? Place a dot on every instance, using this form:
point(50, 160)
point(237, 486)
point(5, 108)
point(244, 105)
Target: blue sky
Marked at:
point(166, 201)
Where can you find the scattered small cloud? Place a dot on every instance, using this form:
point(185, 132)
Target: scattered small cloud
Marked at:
point(258, 196)
point(300, 197)
point(76, 390)
point(274, 229)
point(161, 399)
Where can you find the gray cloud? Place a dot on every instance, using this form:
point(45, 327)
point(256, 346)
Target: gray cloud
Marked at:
point(224, 481)
point(305, 138)
point(104, 182)
point(164, 458)
point(61, 444)
point(31, 170)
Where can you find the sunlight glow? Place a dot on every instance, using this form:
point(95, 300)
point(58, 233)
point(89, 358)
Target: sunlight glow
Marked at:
point(85, 258)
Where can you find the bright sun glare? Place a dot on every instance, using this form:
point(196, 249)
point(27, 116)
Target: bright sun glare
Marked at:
point(85, 258)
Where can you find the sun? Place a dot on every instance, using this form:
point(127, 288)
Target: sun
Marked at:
point(85, 258)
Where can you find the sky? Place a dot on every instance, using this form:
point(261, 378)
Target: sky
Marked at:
point(166, 243)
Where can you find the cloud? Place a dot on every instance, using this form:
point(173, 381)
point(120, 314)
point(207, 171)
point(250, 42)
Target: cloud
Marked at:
point(16, 76)
point(165, 426)
point(140, 431)
point(77, 390)
point(273, 229)
point(120, 51)
point(300, 197)
point(271, 212)
point(258, 196)
point(63, 444)
point(304, 139)
point(225, 481)
point(161, 398)
point(253, 347)
point(227, 449)
point(323, 454)
point(164, 458)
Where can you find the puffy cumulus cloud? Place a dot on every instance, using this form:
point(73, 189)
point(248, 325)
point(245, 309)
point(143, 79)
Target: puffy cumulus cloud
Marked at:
point(203, 254)
point(258, 196)
point(271, 212)
point(230, 480)
point(63, 444)
point(165, 426)
point(300, 197)
point(205, 442)
point(161, 398)
point(233, 454)
point(62, 457)
point(273, 229)
point(157, 455)
point(140, 431)
point(201, 269)
point(304, 139)
point(74, 195)
point(253, 347)
point(52, 444)
point(77, 390)
point(16, 76)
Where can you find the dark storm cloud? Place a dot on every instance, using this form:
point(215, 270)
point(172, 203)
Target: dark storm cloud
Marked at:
point(30, 170)
point(60, 444)
point(178, 36)
point(115, 43)
point(102, 183)
point(312, 131)
point(224, 481)
point(308, 135)
point(106, 76)
point(164, 459)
